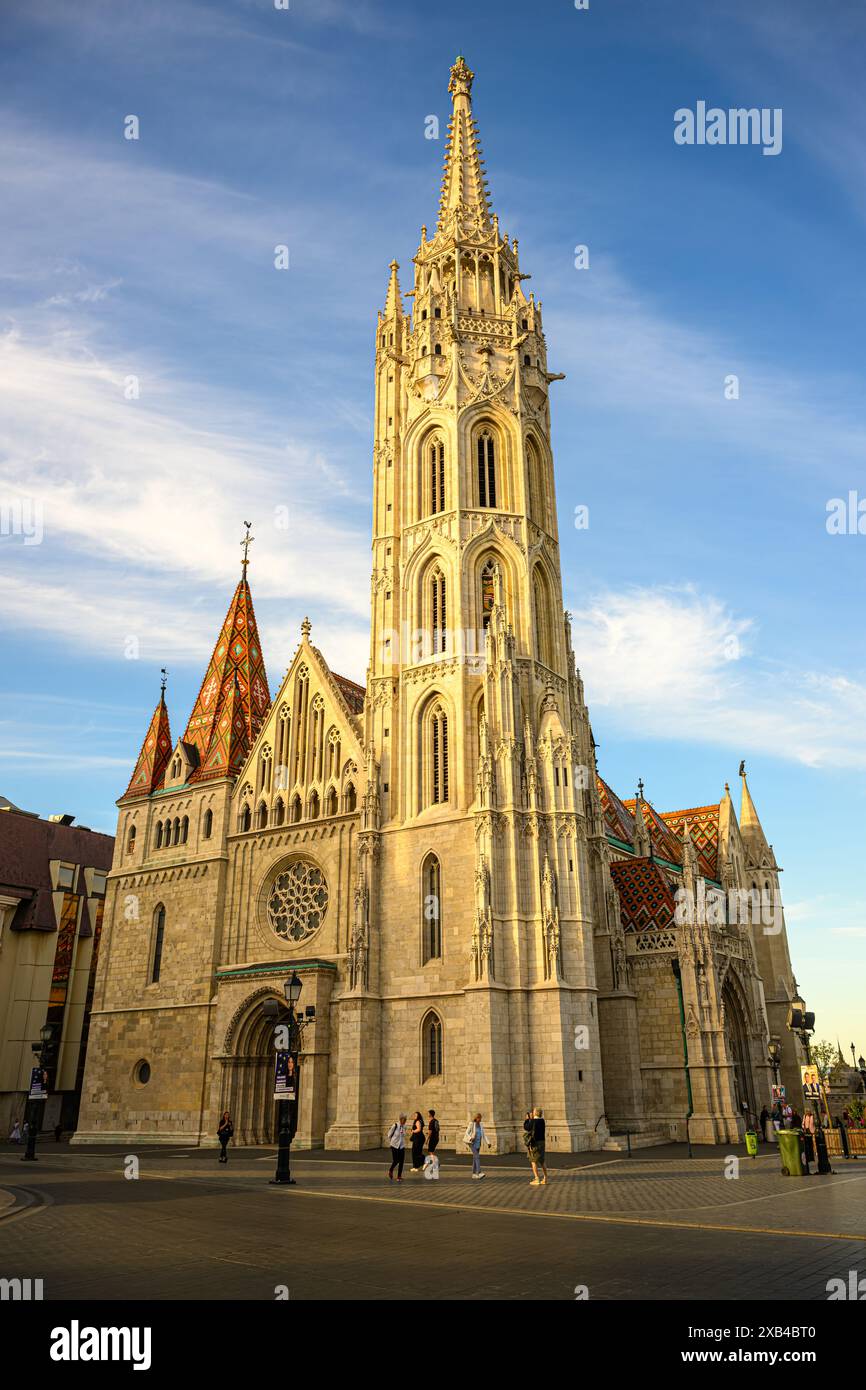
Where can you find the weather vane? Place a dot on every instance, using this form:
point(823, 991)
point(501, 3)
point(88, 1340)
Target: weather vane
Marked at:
point(640, 787)
point(164, 674)
point(246, 543)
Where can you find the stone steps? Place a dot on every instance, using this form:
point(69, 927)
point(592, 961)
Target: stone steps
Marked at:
point(619, 1143)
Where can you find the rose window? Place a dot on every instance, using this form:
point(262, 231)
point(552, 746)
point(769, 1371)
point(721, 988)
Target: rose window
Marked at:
point(298, 901)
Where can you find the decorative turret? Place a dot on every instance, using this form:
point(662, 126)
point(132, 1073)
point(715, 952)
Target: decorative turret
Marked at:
point(155, 752)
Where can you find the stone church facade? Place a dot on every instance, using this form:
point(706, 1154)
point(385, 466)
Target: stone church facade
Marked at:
point(479, 920)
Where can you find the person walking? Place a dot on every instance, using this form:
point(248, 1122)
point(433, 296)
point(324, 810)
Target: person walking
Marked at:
point(432, 1132)
point(417, 1139)
point(475, 1137)
point(764, 1122)
point(15, 1133)
point(535, 1147)
point(225, 1130)
point(397, 1142)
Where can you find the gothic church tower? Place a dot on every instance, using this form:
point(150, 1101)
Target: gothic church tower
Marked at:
point(484, 872)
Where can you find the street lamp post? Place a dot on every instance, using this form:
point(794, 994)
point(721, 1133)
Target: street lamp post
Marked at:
point(288, 1107)
point(33, 1114)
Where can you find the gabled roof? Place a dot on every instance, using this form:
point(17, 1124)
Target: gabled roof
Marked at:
point(618, 819)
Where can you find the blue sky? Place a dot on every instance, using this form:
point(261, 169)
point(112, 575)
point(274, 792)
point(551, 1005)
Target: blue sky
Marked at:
point(715, 618)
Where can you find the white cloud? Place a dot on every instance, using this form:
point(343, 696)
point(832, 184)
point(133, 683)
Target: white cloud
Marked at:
point(663, 663)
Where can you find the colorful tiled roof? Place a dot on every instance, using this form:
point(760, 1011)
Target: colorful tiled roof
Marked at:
point(619, 821)
point(704, 829)
point(352, 693)
point(154, 755)
point(237, 659)
point(645, 897)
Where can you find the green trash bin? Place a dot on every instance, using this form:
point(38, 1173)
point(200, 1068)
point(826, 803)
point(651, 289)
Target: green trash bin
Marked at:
point(789, 1152)
point(751, 1143)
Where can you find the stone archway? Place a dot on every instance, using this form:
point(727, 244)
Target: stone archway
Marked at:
point(248, 1073)
point(737, 1045)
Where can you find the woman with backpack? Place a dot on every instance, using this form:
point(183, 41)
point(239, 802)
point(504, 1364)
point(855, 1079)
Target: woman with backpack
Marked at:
point(397, 1142)
point(225, 1130)
point(534, 1139)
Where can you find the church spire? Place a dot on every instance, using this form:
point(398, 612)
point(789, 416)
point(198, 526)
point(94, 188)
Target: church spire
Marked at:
point(464, 187)
point(155, 751)
point(750, 826)
point(236, 662)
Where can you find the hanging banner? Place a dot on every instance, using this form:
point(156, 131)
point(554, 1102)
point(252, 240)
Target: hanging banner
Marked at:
point(286, 1076)
point(38, 1084)
point(811, 1082)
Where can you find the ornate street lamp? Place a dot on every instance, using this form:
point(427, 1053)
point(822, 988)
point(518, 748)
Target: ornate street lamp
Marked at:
point(288, 1105)
point(43, 1051)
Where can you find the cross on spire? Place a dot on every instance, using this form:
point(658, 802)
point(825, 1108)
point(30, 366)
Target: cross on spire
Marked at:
point(640, 787)
point(246, 543)
point(164, 680)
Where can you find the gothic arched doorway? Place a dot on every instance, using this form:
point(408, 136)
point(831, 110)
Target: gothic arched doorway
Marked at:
point(248, 1074)
point(737, 1044)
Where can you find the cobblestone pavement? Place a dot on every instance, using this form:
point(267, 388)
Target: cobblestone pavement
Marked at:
point(671, 1228)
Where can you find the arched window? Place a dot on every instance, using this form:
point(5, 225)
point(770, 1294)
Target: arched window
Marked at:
point(301, 699)
point(431, 891)
point(130, 840)
point(159, 834)
point(350, 797)
point(313, 811)
point(488, 592)
point(279, 811)
point(333, 761)
point(438, 612)
point(166, 834)
point(541, 605)
point(296, 809)
point(244, 819)
point(438, 756)
point(184, 830)
point(284, 727)
point(486, 470)
point(159, 936)
point(176, 840)
point(431, 1045)
point(207, 827)
point(537, 509)
point(331, 802)
point(317, 739)
point(436, 474)
point(261, 816)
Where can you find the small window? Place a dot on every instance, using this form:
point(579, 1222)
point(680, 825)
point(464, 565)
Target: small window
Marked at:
point(65, 876)
point(207, 828)
point(245, 819)
point(437, 313)
point(98, 889)
point(432, 1044)
point(184, 830)
point(526, 361)
point(130, 840)
point(351, 799)
point(437, 351)
point(159, 924)
point(431, 890)
point(486, 470)
point(423, 313)
point(142, 1073)
point(159, 834)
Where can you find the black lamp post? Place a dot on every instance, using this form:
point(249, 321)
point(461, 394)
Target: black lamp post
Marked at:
point(802, 1023)
point(35, 1108)
point(288, 1109)
point(774, 1053)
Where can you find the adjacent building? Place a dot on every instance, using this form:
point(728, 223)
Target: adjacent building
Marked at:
point(52, 896)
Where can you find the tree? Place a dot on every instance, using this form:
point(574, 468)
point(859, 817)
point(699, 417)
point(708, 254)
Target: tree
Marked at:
point(825, 1055)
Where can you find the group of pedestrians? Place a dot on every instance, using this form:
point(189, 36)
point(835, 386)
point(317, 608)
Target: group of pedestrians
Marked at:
point(418, 1133)
point(474, 1138)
